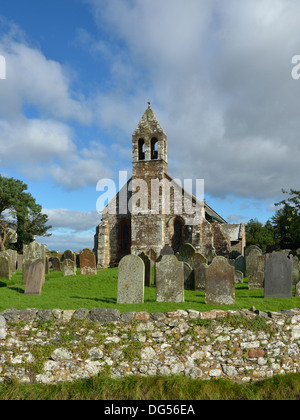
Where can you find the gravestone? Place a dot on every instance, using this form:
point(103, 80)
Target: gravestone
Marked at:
point(188, 273)
point(131, 280)
point(32, 252)
point(240, 264)
point(169, 280)
point(13, 255)
point(251, 260)
point(186, 251)
point(68, 255)
point(197, 259)
point(68, 268)
point(87, 262)
point(257, 278)
point(278, 275)
point(219, 288)
point(200, 276)
point(36, 278)
point(5, 267)
point(297, 290)
point(295, 270)
point(238, 277)
point(148, 268)
point(19, 261)
point(56, 264)
point(167, 250)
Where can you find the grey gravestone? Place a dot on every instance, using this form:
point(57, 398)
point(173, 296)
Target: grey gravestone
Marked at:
point(68, 255)
point(197, 259)
point(219, 288)
point(240, 264)
point(148, 268)
point(188, 273)
point(36, 278)
point(278, 275)
point(68, 267)
point(32, 252)
point(251, 260)
point(238, 277)
point(131, 280)
point(19, 261)
point(5, 267)
point(169, 280)
point(186, 251)
point(87, 262)
point(56, 264)
point(250, 248)
point(167, 250)
point(13, 255)
point(257, 278)
point(200, 276)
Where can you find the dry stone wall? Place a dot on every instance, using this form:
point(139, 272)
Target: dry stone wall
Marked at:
point(50, 346)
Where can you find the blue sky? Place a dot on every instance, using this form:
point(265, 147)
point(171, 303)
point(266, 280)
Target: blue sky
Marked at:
point(79, 74)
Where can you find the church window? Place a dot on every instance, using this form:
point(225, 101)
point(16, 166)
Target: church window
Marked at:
point(154, 152)
point(125, 237)
point(141, 149)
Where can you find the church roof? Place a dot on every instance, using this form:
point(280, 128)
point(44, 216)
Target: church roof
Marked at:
point(148, 124)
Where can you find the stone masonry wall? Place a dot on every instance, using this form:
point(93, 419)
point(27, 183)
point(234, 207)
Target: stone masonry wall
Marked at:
point(49, 346)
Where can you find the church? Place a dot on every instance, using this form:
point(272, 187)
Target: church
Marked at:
point(153, 211)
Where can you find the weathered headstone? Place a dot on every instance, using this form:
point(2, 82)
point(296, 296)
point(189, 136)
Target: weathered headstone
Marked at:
point(257, 277)
point(13, 255)
point(169, 280)
point(238, 277)
point(87, 262)
point(131, 280)
point(200, 276)
point(240, 264)
point(296, 277)
point(56, 264)
point(5, 267)
point(188, 272)
point(36, 278)
point(148, 268)
point(219, 288)
point(32, 252)
point(278, 275)
point(251, 260)
point(19, 261)
point(167, 250)
point(197, 259)
point(68, 255)
point(68, 267)
point(186, 251)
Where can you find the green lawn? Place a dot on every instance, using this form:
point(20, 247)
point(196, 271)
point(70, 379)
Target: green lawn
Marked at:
point(101, 292)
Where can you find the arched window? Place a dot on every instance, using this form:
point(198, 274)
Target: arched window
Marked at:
point(125, 237)
point(178, 237)
point(154, 152)
point(141, 149)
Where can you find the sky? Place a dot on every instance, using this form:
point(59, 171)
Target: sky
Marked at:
point(218, 73)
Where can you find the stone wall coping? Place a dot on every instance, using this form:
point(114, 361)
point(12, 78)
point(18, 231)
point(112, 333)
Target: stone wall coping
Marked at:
point(108, 315)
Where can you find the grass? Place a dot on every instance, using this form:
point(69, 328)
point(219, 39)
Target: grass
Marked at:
point(281, 387)
point(100, 291)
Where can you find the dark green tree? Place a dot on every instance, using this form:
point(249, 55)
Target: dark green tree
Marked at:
point(286, 221)
point(25, 214)
point(259, 234)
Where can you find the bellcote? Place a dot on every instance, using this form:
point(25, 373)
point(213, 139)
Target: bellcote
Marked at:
point(149, 141)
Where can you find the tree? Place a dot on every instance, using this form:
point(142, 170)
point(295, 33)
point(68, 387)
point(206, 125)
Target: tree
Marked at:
point(26, 214)
point(286, 221)
point(259, 234)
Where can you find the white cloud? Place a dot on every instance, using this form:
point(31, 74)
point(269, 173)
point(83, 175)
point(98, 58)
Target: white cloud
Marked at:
point(74, 220)
point(219, 74)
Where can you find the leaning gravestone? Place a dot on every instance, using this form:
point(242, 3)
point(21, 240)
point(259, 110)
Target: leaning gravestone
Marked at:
point(251, 260)
point(169, 280)
point(278, 275)
point(148, 268)
point(131, 280)
point(188, 273)
point(5, 267)
point(32, 252)
point(219, 288)
point(87, 262)
point(56, 264)
point(186, 251)
point(36, 278)
point(68, 268)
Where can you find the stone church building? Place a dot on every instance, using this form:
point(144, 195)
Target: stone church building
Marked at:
point(145, 215)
